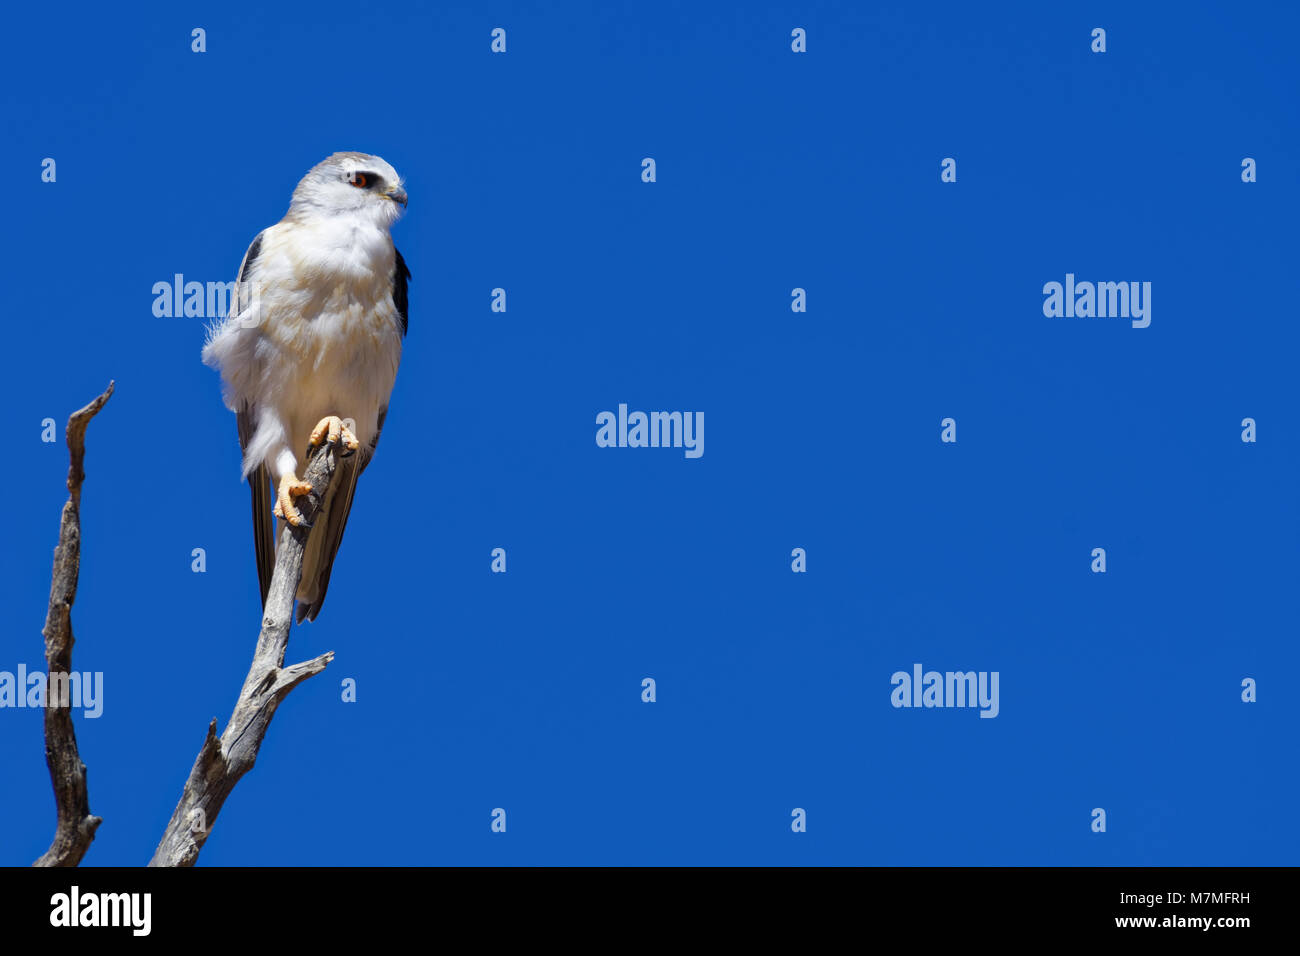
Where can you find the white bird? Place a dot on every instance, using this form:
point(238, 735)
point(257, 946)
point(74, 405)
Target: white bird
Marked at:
point(310, 348)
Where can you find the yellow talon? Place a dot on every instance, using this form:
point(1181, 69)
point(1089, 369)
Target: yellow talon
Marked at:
point(290, 487)
point(332, 429)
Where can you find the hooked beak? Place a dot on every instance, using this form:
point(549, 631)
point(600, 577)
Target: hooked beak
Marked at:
point(397, 194)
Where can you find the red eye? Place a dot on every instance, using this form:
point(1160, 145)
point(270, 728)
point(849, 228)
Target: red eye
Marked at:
point(359, 180)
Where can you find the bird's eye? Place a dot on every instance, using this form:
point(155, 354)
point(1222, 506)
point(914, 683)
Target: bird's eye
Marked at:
point(359, 180)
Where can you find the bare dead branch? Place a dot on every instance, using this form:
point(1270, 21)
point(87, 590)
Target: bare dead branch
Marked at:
point(223, 761)
point(76, 826)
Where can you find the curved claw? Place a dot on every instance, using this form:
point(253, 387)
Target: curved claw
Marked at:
point(291, 487)
point(334, 431)
point(347, 452)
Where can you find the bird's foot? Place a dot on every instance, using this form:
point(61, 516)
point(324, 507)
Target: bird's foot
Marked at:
point(290, 487)
point(334, 430)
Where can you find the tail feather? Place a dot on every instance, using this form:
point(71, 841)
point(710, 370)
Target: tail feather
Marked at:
point(263, 528)
point(326, 536)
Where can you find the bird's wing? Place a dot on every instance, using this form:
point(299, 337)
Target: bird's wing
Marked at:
point(259, 481)
point(319, 561)
point(330, 523)
point(328, 527)
point(401, 275)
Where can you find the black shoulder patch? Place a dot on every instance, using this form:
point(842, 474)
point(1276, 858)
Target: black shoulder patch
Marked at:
point(400, 276)
point(250, 256)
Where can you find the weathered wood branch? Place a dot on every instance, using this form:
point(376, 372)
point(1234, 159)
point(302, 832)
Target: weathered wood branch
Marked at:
point(76, 826)
point(223, 760)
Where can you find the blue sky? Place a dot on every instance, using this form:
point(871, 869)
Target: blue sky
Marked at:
point(775, 170)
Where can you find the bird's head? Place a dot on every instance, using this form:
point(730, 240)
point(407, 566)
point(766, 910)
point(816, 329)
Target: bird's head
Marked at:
point(350, 184)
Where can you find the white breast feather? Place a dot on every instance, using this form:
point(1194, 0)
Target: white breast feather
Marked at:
point(322, 337)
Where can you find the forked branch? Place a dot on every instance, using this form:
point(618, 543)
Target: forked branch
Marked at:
point(223, 760)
